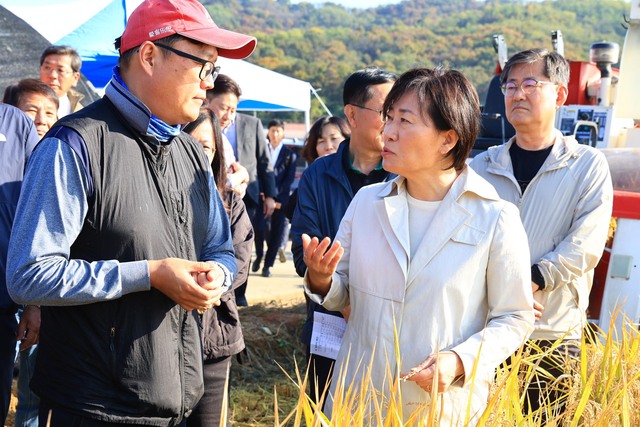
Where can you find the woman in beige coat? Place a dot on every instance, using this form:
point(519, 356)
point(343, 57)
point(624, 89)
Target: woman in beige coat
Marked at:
point(434, 254)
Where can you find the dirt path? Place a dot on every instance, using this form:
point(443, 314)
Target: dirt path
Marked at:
point(271, 324)
point(284, 287)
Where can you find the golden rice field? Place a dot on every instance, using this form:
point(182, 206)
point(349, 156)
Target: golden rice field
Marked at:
point(268, 379)
point(604, 384)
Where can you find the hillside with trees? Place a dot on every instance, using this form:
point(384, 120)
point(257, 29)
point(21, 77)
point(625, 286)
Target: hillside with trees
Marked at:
point(323, 45)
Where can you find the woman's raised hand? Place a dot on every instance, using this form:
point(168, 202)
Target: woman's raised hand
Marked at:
point(321, 258)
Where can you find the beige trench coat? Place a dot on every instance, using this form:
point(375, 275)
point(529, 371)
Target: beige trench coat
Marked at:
point(468, 289)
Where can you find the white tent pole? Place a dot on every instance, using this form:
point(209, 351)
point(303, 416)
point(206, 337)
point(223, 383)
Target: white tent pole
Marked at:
point(315, 92)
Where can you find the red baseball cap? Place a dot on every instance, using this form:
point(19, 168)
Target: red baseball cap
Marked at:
point(155, 19)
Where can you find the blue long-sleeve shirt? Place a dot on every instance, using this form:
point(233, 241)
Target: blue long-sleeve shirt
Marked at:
point(49, 218)
point(18, 136)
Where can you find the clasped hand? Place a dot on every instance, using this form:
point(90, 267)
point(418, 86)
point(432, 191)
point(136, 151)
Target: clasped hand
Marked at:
point(192, 285)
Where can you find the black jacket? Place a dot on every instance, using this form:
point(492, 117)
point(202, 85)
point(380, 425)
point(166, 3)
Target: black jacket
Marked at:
point(253, 154)
point(285, 171)
point(221, 329)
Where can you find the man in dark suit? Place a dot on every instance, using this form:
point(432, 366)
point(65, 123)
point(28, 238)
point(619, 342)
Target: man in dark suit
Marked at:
point(272, 229)
point(247, 137)
point(329, 184)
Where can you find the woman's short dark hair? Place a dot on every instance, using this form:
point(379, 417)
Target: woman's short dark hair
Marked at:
point(309, 151)
point(14, 93)
point(447, 98)
point(218, 164)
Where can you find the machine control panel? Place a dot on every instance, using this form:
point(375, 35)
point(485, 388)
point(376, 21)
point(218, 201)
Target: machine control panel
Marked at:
point(569, 116)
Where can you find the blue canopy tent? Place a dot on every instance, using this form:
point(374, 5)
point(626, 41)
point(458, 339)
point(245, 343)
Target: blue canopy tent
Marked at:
point(88, 26)
point(92, 26)
point(266, 90)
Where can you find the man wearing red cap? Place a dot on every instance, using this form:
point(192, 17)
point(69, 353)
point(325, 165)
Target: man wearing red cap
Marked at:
point(120, 234)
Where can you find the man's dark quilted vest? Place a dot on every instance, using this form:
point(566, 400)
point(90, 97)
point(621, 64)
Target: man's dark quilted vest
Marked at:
point(139, 356)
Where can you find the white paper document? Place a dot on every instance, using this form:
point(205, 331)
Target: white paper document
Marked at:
point(327, 334)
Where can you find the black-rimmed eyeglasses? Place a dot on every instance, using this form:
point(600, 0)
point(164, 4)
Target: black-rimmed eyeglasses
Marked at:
point(208, 67)
point(380, 112)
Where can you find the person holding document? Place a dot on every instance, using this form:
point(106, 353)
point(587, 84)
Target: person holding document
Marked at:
point(434, 256)
point(327, 187)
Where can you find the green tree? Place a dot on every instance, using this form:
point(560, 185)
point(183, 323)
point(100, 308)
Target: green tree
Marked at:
point(323, 45)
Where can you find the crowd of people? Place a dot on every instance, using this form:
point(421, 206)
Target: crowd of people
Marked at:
point(44, 101)
point(128, 228)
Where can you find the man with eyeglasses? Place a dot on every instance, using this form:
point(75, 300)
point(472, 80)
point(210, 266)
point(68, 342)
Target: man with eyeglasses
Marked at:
point(60, 70)
point(564, 193)
point(329, 184)
point(120, 235)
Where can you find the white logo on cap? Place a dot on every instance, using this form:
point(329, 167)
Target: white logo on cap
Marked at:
point(160, 31)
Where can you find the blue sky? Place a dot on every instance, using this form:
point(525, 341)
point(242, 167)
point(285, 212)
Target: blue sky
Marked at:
point(352, 3)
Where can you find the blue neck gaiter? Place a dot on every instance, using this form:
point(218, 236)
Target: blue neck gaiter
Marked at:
point(157, 128)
